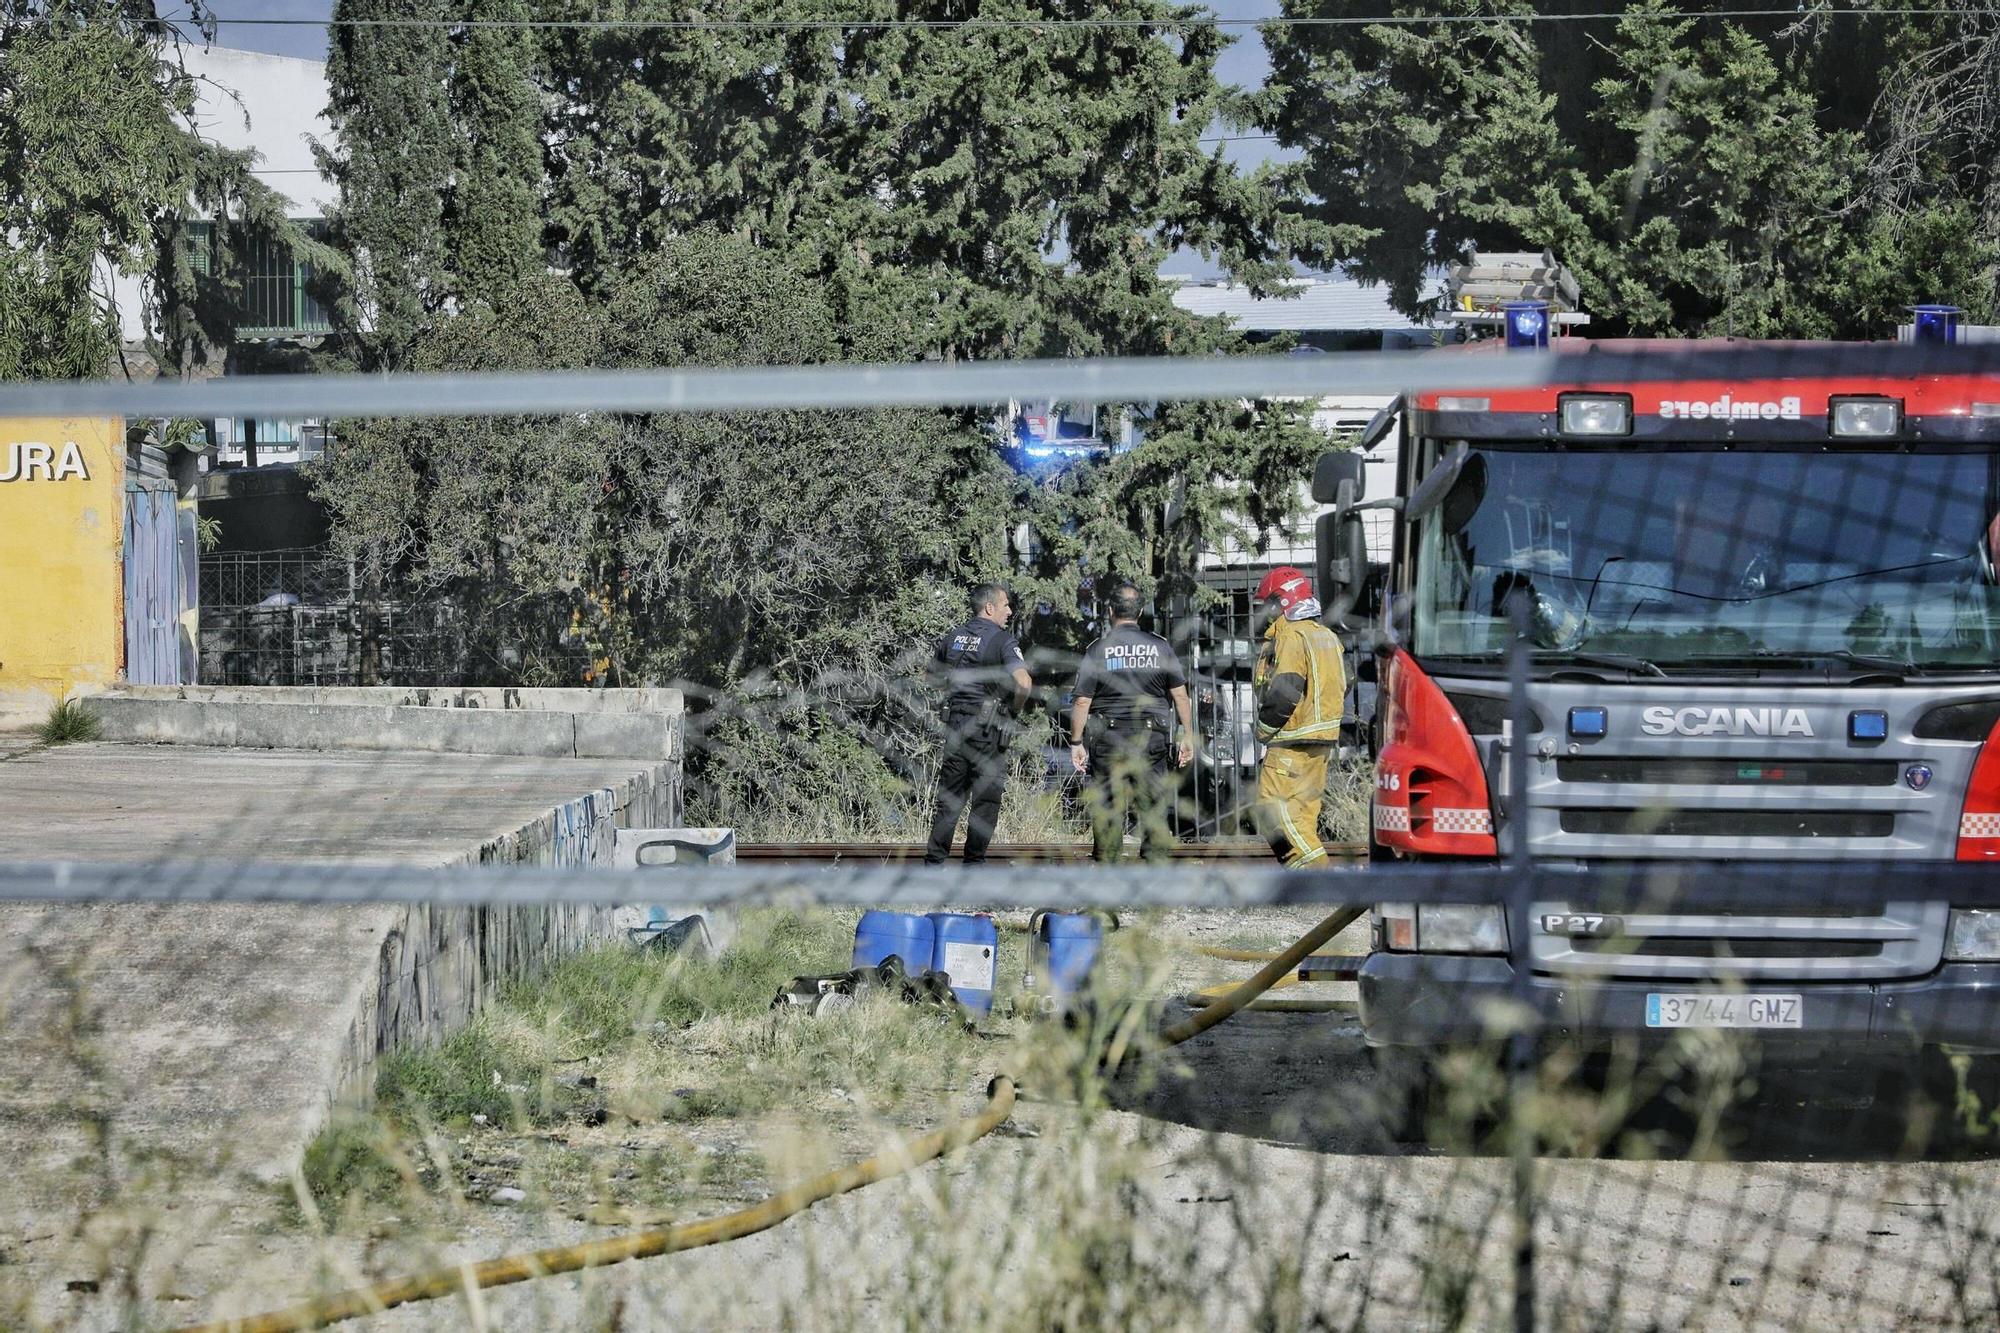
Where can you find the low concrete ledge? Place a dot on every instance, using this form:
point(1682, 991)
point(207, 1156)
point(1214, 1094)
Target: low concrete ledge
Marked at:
point(545, 724)
point(498, 698)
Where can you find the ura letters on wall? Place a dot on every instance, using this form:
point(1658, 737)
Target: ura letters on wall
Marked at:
point(32, 460)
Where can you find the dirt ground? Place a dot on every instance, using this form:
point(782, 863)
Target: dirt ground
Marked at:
point(1243, 1180)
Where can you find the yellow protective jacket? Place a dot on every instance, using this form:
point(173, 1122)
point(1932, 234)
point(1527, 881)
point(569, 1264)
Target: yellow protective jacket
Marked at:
point(1301, 682)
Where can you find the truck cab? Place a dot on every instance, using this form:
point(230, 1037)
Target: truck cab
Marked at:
point(1764, 624)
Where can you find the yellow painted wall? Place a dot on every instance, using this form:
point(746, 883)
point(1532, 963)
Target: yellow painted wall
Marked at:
point(61, 550)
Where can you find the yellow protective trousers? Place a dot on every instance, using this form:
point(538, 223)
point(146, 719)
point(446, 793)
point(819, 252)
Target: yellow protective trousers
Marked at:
point(1291, 785)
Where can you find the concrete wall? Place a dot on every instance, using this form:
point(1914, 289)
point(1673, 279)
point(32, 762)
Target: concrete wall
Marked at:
point(433, 968)
point(586, 724)
point(438, 966)
point(61, 573)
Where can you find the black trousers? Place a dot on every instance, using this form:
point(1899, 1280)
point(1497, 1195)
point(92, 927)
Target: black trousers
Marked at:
point(1128, 777)
point(974, 769)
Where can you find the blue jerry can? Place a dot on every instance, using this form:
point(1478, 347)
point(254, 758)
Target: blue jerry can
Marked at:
point(1063, 948)
point(967, 947)
point(908, 936)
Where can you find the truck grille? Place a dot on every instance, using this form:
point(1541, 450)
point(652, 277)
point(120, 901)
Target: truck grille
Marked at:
point(1667, 822)
point(1904, 940)
point(1715, 772)
point(1731, 948)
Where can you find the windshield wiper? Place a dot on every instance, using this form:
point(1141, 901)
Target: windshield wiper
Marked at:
point(1888, 666)
point(1862, 662)
point(1637, 666)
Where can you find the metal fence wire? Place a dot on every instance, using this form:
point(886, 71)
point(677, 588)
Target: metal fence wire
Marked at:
point(302, 616)
point(1703, 1035)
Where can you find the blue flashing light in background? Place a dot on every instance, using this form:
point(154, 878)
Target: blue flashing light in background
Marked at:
point(1937, 323)
point(1867, 725)
point(1527, 323)
point(1048, 435)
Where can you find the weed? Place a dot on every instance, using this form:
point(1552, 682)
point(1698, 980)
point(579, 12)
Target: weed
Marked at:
point(67, 724)
point(470, 1073)
point(352, 1157)
point(1031, 810)
point(1350, 788)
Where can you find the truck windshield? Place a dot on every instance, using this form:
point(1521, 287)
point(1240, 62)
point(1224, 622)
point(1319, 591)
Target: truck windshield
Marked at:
point(1695, 557)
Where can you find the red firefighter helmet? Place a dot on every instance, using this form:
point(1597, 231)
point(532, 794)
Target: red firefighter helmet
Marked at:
point(1290, 586)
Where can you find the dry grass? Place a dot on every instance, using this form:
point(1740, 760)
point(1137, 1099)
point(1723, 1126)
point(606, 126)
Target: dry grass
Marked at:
point(582, 1087)
point(1243, 1180)
point(1350, 788)
point(1031, 810)
point(67, 724)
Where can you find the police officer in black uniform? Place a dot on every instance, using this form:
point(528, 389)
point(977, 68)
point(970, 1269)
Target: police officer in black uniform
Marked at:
point(1120, 727)
point(987, 682)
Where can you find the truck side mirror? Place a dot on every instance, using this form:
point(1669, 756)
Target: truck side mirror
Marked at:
point(1340, 558)
point(1437, 484)
point(1379, 426)
point(1335, 467)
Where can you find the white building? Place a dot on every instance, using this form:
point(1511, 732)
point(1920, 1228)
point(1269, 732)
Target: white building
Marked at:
point(1332, 314)
point(274, 106)
point(1324, 315)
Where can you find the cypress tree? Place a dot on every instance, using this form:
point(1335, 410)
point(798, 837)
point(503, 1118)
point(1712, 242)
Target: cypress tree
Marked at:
point(392, 156)
point(494, 213)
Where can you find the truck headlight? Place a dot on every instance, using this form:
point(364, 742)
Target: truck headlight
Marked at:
point(1595, 413)
point(1865, 416)
point(1443, 928)
point(1461, 928)
point(1974, 936)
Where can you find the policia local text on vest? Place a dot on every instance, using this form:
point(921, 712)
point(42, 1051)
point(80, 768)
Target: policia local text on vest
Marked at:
point(1120, 725)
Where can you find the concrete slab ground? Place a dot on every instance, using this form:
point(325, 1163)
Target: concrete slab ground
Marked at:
point(162, 1067)
point(104, 802)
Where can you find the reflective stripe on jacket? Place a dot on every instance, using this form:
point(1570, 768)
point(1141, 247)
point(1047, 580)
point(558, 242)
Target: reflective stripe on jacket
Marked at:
point(1310, 650)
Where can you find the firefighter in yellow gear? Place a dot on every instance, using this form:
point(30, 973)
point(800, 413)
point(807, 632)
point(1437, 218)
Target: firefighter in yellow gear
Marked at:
point(1300, 681)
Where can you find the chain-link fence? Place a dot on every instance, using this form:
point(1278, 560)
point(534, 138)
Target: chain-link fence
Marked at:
point(303, 616)
point(1670, 1005)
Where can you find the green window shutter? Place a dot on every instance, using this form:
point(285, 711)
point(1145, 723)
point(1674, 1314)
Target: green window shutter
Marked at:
point(201, 247)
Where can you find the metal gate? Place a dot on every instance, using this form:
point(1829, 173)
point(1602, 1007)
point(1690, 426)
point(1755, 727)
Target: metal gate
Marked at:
point(154, 588)
point(1218, 647)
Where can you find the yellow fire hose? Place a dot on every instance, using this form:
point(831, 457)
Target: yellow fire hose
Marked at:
point(1212, 995)
point(443, 1282)
point(1273, 973)
point(637, 1245)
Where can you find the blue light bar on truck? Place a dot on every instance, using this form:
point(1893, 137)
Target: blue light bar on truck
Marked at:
point(1937, 323)
point(1527, 324)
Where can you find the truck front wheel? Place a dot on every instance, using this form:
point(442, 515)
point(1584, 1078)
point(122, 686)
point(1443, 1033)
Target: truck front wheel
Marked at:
point(1453, 1095)
point(1404, 1078)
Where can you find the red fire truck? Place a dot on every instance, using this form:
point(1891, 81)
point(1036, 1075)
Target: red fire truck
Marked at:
point(1764, 624)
